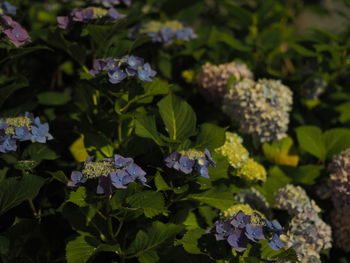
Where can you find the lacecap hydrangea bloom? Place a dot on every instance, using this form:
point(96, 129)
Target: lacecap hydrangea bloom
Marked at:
point(241, 229)
point(307, 233)
point(110, 3)
point(168, 32)
point(7, 9)
point(189, 160)
point(238, 157)
point(24, 128)
point(117, 171)
point(119, 69)
point(15, 33)
point(339, 183)
point(85, 15)
point(261, 108)
point(213, 79)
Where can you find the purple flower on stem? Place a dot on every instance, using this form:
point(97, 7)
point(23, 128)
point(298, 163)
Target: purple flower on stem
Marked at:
point(276, 242)
point(116, 76)
point(76, 179)
point(146, 73)
point(7, 9)
point(114, 15)
point(254, 232)
point(240, 220)
point(40, 132)
point(237, 240)
point(186, 164)
point(14, 31)
point(172, 159)
point(7, 144)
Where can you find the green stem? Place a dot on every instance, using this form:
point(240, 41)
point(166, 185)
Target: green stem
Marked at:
point(32, 206)
point(121, 223)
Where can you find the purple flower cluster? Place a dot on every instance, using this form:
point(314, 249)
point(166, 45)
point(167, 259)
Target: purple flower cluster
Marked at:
point(25, 128)
point(7, 9)
point(167, 35)
point(187, 161)
point(117, 171)
point(119, 69)
point(14, 31)
point(111, 3)
point(87, 14)
point(242, 229)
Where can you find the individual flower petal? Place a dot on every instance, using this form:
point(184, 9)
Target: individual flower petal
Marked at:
point(254, 232)
point(116, 76)
point(104, 185)
point(240, 220)
point(172, 159)
point(237, 240)
point(76, 179)
point(186, 164)
point(121, 161)
point(276, 242)
point(146, 73)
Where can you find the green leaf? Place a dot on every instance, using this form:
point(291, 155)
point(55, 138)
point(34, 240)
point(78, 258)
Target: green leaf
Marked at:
point(276, 179)
point(302, 50)
point(221, 169)
point(78, 197)
point(218, 197)
point(210, 136)
point(79, 250)
point(151, 202)
point(39, 152)
point(269, 254)
point(310, 139)
point(178, 117)
point(227, 38)
point(155, 235)
point(53, 98)
point(344, 110)
point(59, 176)
point(190, 240)
point(160, 183)
point(7, 90)
point(145, 127)
point(306, 174)
point(150, 256)
point(156, 87)
point(336, 140)
point(14, 191)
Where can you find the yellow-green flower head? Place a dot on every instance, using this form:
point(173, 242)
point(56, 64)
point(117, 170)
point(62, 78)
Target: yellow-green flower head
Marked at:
point(193, 154)
point(17, 122)
point(152, 26)
point(231, 211)
point(234, 150)
point(174, 25)
point(252, 171)
point(96, 169)
point(98, 12)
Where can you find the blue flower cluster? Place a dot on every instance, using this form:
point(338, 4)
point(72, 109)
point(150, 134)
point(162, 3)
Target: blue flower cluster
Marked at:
point(87, 14)
point(167, 33)
point(241, 229)
point(7, 9)
point(117, 171)
point(186, 161)
point(26, 128)
point(120, 68)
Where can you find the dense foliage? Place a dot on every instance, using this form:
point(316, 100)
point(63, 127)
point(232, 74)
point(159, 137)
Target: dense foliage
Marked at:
point(173, 131)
